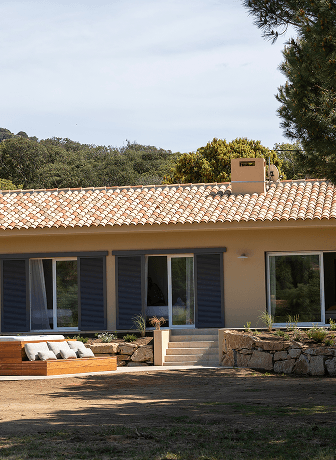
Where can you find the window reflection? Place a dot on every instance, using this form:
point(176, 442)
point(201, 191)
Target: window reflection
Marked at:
point(295, 288)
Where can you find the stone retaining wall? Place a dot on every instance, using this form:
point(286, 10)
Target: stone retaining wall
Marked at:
point(280, 356)
point(128, 354)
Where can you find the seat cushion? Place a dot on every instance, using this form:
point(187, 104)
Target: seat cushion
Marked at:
point(56, 347)
point(32, 350)
point(46, 355)
point(76, 346)
point(87, 353)
point(68, 354)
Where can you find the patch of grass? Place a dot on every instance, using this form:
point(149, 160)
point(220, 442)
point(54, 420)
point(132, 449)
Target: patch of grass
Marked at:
point(266, 411)
point(180, 440)
point(281, 333)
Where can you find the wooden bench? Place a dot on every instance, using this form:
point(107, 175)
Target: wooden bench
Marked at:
point(14, 361)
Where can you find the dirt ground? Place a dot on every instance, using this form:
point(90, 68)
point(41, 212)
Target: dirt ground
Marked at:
point(232, 397)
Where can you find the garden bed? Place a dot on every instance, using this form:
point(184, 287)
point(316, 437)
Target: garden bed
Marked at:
point(138, 352)
point(301, 352)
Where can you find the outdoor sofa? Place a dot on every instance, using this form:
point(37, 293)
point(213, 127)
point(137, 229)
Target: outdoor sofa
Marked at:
point(14, 359)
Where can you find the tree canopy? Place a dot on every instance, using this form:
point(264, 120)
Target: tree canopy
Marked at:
point(308, 99)
point(290, 166)
point(212, 163)
point(62, 163)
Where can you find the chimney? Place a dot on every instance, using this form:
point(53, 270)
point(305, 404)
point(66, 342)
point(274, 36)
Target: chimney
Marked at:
point(248, 175)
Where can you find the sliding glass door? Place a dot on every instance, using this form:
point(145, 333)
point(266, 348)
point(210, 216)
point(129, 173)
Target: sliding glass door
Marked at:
point(182, 291)
point(66, 293)
point(53, 294)
point(170, 290)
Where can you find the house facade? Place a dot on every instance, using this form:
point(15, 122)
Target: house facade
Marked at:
point(198, 255)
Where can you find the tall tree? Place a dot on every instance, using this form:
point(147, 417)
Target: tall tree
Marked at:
point(290, 165)
point(308, 99)
point(20, 159)
point(212, 163)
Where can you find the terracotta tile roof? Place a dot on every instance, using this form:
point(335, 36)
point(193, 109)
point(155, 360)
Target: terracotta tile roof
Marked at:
point(172, 204)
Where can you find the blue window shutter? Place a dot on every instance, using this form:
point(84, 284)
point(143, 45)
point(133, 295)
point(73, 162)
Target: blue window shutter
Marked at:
point(15, 305)
point(92, 293)
point(209, 290)
point(129, 289)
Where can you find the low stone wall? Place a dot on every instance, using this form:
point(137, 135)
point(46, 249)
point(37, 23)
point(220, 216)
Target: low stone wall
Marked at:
point(279, 356)
point(128, 354)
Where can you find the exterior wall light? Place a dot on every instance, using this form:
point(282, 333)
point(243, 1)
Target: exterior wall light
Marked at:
point(243, 256)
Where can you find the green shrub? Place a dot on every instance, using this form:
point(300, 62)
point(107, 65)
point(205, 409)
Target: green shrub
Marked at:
point(130, 338)
point(267, 319)
point(81, 339)
point(139, 322)
point(329, 342)
point(292, 322)
point(332, 325)
point(317, 334)
point(106, 337)
point(247, 326)
point(281, 333)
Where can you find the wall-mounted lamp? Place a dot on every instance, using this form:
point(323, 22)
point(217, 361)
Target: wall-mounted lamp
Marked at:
point(243, 256)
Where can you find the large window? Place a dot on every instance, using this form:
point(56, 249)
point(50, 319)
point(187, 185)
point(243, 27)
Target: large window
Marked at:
point(170, 289)
point(184, 286)
point(295, 287)
point(53, 293)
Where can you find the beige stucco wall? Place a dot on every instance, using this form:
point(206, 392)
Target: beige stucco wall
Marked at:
point(244, 279)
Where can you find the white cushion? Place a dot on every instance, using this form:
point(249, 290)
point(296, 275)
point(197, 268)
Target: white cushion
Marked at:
point(77, 345)
point(32, 350)
point(87, 353)
point(68, 354)
point(45, 355)
point(56, 347)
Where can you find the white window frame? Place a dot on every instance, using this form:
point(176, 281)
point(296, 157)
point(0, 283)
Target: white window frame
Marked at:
point(170, 293)
point(322, 297)
point(54, 291)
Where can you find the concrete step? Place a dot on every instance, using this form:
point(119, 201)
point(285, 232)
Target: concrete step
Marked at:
point(200, 360)
point(193, 338)
point(209, 331)
point(183, 358)
point(192, 364)
point(188, 347)
point(192, 351)
point(194, 344)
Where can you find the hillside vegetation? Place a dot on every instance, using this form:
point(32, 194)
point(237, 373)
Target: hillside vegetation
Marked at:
point(62, 163)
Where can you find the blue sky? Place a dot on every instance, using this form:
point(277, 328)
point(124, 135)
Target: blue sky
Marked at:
point(172, 73)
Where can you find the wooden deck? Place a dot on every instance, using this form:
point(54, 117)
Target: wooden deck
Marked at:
point(13, 361)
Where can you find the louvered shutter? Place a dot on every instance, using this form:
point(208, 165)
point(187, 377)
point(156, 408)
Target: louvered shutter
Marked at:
point(15, 306)
point(129, 285)
point(209, 290)
point(92, 299)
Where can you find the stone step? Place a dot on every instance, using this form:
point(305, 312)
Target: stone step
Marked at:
point(209, 331)
point(190, 360)
point(196, 363)
point(194, 344)
point(183, 358)
point(192, 351)
point(193, 338)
